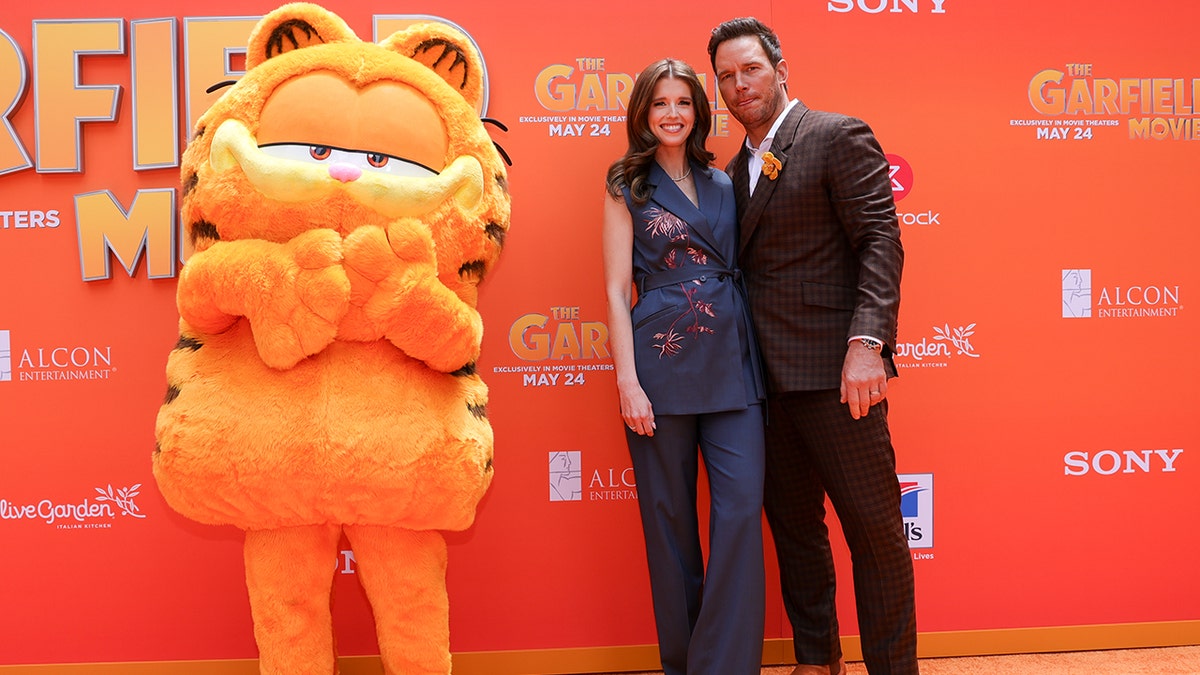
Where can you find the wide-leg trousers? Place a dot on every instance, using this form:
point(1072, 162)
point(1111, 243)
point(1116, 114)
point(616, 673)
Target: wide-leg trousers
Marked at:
point(709, 618)
point(815, 448)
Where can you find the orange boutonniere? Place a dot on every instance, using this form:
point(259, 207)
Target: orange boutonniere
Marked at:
point(771, 166)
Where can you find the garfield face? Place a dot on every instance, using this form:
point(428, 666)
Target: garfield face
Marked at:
point(371, 135)
point(394, 125)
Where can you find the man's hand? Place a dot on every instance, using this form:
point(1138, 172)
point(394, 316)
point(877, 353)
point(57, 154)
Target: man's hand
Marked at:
point(864, 380)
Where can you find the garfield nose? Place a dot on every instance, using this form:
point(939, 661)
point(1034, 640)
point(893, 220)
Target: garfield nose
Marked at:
point(344, 172)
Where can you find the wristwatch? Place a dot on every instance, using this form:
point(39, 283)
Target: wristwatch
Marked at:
point(871, 344)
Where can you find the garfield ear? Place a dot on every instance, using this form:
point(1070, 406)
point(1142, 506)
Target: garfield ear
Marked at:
point(446, 51)
point(294, 26)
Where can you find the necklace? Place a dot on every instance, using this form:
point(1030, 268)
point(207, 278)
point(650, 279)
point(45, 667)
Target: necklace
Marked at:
point(685, 174)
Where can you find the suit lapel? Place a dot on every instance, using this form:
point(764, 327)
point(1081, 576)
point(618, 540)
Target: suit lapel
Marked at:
point(781, 146)
point(668, 195)
point(709, 198)
point(740, 176)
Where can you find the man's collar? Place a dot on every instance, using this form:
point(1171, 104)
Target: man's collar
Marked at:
point(766, 142)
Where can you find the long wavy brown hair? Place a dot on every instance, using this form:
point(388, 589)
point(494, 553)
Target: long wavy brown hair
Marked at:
point(632, 169)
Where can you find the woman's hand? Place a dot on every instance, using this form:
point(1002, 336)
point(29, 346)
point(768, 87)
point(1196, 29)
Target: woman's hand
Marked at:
point(636, 410)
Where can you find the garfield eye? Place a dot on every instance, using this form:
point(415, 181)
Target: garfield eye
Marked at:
point(366, 160)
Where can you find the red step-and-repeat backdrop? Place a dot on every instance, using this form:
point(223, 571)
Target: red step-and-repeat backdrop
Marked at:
point(1046, 445)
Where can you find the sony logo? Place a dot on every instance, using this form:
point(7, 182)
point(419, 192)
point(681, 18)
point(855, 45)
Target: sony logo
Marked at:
point(1108, 462)
point(878, 6)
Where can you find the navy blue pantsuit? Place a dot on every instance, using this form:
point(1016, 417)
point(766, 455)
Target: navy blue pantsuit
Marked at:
point(697, 361)
point(707, 622)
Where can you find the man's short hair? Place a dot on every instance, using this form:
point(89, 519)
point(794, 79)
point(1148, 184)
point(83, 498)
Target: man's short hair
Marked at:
point(740, 27)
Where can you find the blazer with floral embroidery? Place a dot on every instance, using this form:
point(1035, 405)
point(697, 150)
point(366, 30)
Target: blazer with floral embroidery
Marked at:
point(694, 345)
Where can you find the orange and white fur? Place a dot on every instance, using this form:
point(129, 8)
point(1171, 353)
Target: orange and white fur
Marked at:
point(345, 201)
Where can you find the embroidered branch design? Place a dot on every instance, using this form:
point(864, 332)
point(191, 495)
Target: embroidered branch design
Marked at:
point(666, 224)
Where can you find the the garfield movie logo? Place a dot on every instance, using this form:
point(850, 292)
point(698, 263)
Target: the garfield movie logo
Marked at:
point(557, 348)
point(1156, 108)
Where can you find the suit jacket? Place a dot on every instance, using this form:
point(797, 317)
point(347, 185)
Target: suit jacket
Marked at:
point(693, 340)
point(820, 248)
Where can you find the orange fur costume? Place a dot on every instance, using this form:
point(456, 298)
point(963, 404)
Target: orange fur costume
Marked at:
point(345, 201)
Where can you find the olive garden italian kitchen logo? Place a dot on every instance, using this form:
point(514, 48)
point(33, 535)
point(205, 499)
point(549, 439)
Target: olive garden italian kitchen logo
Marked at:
point(939, 348)
point(101, 510)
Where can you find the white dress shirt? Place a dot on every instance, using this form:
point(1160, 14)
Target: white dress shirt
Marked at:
point(756, 161)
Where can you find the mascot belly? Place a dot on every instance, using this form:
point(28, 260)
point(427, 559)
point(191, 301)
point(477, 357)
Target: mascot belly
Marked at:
point(344, 200)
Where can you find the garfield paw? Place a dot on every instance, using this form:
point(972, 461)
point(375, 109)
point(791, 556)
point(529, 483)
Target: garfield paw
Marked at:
point(372, 268)
point(316, 249)
point(411, 241)
point(299, 316)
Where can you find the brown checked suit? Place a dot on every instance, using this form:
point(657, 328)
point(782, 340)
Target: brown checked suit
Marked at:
point(821, 254)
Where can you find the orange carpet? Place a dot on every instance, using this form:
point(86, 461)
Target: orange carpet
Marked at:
point(1165, 661)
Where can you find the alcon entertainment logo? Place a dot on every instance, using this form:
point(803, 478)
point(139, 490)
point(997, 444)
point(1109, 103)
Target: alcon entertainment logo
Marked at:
point(603, 484)
point(5, 356)
point(1080, 300)
point(60, 362)
point(1077, 294)
point(916, 507)
point(566, 476)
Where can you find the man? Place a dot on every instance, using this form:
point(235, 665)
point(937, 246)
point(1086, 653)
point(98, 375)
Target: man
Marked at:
point(820, 249)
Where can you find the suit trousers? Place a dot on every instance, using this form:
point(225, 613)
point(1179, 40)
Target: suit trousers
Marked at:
point(709, 621)
point(815, 448)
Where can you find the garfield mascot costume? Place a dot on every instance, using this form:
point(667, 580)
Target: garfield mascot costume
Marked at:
point(345, 200)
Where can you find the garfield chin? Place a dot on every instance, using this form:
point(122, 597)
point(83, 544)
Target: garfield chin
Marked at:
point(345, 201)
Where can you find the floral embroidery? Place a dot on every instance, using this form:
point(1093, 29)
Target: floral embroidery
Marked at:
point(670, 343)
point(771, 165)
point(667, 224)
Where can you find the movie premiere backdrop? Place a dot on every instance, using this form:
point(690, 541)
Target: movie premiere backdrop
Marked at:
point(1044, 160)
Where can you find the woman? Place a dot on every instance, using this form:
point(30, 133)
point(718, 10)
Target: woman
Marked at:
point(687, 375)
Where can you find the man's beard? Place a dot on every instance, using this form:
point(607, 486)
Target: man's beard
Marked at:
point(770, 106)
